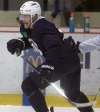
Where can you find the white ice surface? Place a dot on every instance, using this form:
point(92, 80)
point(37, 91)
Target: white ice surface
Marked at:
point(29, 109)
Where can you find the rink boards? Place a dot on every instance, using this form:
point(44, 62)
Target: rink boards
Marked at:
point(12, 76)
point(56, 101)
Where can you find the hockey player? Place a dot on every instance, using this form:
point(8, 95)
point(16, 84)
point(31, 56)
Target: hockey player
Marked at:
point(61, 58)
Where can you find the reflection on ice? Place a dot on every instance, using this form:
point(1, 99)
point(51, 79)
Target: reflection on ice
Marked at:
point(29, 109)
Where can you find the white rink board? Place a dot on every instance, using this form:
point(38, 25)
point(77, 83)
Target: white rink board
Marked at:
point(11, 68)
point(30, 109)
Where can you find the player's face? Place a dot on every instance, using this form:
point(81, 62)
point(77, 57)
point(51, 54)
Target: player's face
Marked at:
point(26, 20)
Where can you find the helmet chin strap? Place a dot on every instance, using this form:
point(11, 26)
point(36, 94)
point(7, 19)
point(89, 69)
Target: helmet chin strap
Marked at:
point(35, 20)
point(31, 18)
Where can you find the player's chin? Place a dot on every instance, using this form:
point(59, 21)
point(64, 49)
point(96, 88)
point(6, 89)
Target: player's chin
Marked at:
point(26, 25)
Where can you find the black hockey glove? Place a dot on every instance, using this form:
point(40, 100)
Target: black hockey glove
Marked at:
point(42, 75)
point(77, 45)
point(26, 42)
point(46, 71)
point(69, 41)
point(15, 46)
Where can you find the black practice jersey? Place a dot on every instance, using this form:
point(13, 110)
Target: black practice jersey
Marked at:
point(57, 52)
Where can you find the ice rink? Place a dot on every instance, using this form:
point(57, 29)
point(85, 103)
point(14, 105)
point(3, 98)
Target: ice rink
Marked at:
point(29, 109)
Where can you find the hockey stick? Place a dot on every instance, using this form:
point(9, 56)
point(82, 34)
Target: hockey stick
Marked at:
point(60, 91)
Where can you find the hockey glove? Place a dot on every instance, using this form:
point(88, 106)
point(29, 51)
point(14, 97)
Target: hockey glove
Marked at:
point(69, 41)
point(46, 71)
point(77, 45)
point(15, 46)
point(42, 75)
